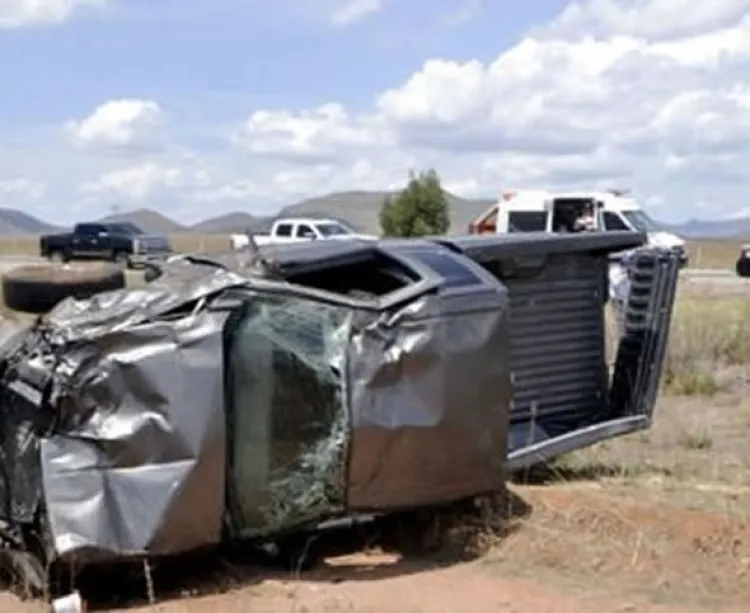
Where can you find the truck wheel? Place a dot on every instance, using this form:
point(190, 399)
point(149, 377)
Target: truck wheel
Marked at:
point(37, 289)
point(58, 256)
point(121, 258)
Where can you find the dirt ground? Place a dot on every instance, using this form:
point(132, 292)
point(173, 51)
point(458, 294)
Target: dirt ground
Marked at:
point(656, 523)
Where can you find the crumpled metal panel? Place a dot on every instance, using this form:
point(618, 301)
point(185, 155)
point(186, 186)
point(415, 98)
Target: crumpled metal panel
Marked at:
point(138, 466)
point(121, 399)
point(182, 284)
point(429, 384)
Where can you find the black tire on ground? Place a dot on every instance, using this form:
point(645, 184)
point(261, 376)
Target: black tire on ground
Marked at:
point(37, 289)
point(743, 268)
point(122, 258)
point(58, 256)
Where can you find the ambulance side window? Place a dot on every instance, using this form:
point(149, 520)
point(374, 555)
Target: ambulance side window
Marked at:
point(527, 221)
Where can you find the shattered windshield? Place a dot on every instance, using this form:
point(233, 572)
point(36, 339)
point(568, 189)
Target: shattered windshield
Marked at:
point(289, 423)
point(641, 221)
point(333, 229)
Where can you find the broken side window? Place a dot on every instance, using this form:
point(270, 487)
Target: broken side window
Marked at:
point(373, 274)
point(288, 430)
point(453, 272)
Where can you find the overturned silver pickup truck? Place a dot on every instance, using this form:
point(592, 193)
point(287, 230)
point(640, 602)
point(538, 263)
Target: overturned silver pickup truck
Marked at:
point(218, 403)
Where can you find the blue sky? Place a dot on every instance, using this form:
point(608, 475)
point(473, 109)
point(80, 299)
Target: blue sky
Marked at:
point(190, 53)
point(206, 107)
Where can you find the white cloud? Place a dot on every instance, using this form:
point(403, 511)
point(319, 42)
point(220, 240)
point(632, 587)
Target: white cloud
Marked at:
point(669, 116)
point(310, 135)
point(647, 18)
point(135, 183)
point(20, 188)
point(348, 12)
point(658, 101)
point(23, 13)
point(122, 123)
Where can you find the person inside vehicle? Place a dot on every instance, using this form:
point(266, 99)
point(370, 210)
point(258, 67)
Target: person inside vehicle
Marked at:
point(586, 221)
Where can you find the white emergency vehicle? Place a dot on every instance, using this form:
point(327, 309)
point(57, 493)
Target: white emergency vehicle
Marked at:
point(546, 211)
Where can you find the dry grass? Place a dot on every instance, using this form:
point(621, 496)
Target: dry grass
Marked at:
point(721, 254)
point(202, 243)
point(709, 348)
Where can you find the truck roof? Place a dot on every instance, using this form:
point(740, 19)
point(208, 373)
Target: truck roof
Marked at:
point(531, 199)
point(621, 200)
point(308, 220)
point(110, 225)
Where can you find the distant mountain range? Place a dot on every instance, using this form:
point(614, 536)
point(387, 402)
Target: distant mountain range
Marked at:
point(13, 221)
point(358, 208)
point(738, 228)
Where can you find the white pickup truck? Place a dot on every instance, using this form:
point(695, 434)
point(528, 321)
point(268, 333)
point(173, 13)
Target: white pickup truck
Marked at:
point(294, 229)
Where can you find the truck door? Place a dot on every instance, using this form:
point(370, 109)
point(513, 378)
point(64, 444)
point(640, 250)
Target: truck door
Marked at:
point(88, 241)
point(305, 233)
point(287, 397)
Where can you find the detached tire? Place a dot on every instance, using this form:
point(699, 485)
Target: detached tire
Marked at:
point(37, 289)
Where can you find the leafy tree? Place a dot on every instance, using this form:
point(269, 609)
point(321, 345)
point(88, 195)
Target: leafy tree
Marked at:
point(420, 209)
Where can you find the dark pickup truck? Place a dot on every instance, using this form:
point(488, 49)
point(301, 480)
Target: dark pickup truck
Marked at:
point(123, 242)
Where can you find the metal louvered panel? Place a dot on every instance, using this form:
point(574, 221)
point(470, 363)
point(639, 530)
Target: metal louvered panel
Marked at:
point(648, 317)
point(557, 343)
point(557, 286)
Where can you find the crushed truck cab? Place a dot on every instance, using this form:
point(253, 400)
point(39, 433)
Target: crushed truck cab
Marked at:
point(231, 401)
